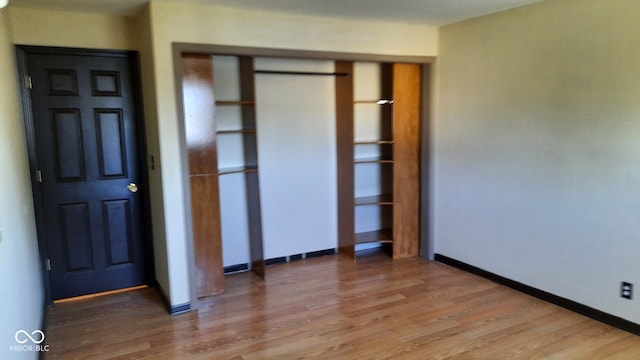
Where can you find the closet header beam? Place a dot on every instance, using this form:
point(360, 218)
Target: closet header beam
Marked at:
point(179, 48)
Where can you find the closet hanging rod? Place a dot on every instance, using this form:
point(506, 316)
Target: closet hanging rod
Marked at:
point(311, 73)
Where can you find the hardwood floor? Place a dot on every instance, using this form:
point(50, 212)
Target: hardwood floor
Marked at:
point(332, 308)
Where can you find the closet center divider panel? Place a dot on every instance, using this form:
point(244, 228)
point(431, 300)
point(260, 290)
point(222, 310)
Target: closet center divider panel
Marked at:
point(252, 181)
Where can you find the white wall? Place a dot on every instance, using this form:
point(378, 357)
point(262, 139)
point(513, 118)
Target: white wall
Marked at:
point(156, 190)
point(538, 148)
point(22, 299)
point(72, 29)
point(297, 157)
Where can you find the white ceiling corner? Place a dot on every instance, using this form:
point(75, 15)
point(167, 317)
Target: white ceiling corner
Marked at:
point(426, 12)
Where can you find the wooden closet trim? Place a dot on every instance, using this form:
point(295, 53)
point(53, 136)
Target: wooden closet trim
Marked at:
point(179, 48)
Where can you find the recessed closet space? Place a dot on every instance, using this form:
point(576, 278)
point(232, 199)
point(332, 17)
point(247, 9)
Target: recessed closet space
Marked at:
point(373, 153)
point(297, 155)
point(220, 136)
point(379, 116)
point(292, 156)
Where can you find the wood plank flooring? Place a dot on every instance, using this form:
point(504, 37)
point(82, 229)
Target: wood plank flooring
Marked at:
point(332, 308)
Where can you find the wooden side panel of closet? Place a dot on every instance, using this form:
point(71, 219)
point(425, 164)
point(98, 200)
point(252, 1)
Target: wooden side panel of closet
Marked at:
point(250, 147)
point(199, 105)
point(406, 156)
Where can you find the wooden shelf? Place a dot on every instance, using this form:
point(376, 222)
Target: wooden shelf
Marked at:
point(237, 170)
point(239, 131)
point(375, 102)
point(375, 160)
point(386, 199)
point(376, 236)
point(373, 142)
point(234, 102)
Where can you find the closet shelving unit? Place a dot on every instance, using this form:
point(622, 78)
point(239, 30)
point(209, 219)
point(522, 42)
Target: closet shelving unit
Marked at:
point(201, 116)
point(378, 138)
point(396, 155)
point(248, 132)
point(394, 200)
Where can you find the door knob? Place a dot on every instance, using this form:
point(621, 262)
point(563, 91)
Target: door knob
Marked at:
point(132, 187)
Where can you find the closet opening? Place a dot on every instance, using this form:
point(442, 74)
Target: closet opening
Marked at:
point(289, 154)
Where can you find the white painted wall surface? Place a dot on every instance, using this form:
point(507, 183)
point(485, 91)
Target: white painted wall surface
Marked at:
point(22, 297)
point(45, 27)
point(538, 148)
point(297, 157)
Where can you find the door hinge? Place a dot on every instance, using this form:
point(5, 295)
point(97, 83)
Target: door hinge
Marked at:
point(48, 264)
point(39, 176)
point(27, 82)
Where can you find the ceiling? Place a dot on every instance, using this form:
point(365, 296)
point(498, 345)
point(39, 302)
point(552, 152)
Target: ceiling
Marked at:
point(429, 12)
